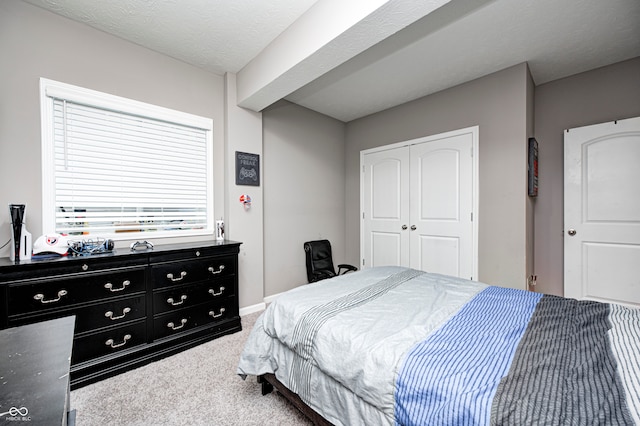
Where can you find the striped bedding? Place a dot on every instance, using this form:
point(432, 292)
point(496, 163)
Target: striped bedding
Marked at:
point(394, 345)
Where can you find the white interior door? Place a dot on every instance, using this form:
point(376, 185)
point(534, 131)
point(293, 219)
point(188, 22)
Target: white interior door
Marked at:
point(441, 205)
point(602, 212)
point(385, 208)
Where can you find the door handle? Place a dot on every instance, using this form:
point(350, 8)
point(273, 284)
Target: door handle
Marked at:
point(404, 227)
point(413, 227)
point(571, 232)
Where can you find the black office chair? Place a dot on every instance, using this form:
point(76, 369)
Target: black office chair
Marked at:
point(320, 261)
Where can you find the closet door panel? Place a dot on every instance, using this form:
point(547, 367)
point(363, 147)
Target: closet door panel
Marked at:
point(439, 183)
point(441, 205)
point(386, 248)
point(439, 254)
point(385, 208)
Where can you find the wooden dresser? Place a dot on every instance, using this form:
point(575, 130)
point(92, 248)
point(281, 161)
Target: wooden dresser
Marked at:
point(131, 308)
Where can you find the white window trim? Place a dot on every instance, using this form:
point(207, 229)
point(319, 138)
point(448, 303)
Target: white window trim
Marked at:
point(50, 89)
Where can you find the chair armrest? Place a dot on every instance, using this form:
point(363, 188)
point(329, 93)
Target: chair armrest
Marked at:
point(347, 268)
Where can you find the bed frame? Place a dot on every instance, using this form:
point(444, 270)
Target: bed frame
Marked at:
point(269, 381)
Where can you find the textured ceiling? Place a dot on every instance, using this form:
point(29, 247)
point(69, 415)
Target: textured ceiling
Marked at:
point(461, 41)
point(217, 35)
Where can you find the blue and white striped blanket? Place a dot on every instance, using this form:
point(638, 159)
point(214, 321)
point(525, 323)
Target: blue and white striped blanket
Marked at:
point(398, 346)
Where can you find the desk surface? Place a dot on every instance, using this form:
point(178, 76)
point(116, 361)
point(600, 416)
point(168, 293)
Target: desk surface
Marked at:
point(34, 372)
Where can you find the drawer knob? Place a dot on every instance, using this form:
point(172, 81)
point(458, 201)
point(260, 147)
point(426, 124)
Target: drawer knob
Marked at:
point(174, 303)
point(114, 345)
point(40, 297)
point(109, 286)
point(213, 292)
point(109, 314)
point(172, 326)
point(214, 315)
point(182, 275)
point(213, 271)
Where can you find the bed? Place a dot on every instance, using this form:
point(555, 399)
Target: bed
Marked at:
point(393, 345)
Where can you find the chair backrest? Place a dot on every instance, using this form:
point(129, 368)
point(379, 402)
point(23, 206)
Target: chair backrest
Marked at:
point(319, 260)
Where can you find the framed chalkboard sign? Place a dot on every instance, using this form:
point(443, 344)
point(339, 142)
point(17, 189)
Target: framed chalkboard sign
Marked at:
point(247, 169)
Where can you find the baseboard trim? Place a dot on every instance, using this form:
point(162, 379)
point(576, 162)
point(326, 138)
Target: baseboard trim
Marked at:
point(270, 299)
point(247, 310)
point(252, 309)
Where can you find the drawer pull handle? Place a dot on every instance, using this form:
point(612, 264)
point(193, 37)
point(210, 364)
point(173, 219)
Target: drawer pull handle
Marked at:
point(182, 275)
point(174, 303)
point(213, 292)
point(40, 297)
point(114, 345)
point(109, 314)
point(214, 315)
point(172, 326)
point(219, 271)
point(109, 286)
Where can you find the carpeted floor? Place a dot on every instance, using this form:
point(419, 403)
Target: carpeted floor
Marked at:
point(196, 387)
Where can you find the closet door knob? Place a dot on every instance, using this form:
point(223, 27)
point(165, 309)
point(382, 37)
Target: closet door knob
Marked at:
point(404, 227)
point(413, 227)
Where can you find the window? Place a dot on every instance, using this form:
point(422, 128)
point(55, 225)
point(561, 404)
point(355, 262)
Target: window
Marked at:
point(122, 169)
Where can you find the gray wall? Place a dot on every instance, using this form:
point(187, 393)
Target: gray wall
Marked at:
point(605, 94)
point(36, 43)
point(498, 104)
point(243, 132)
point(530, 201)
point(304, 196)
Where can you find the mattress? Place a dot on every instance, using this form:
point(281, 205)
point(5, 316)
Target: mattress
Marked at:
point(394, 345)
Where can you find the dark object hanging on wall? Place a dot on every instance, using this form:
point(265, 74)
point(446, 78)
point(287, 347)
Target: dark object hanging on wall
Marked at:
point(533, 168)
point(247, 169)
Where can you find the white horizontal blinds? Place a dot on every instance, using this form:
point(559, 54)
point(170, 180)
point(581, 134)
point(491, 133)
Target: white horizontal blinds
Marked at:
point(116, 172)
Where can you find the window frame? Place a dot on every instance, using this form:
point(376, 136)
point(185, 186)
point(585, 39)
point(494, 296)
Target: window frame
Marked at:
point(50, 90)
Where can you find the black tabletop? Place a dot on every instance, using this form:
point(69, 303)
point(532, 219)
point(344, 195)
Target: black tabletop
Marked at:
point(34, 372)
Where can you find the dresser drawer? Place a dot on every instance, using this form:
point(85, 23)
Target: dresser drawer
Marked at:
point(110, 314)
point(96, 316)
point(40, 295)
point(186, 319)
point(174, 298)
point(192, 271)
point(108, 342)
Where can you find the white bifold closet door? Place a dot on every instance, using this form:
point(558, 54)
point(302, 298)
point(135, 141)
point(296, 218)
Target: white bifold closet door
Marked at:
point(418, 204)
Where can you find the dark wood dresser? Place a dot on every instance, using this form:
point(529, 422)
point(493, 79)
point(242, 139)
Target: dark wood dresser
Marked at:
point(131, 307)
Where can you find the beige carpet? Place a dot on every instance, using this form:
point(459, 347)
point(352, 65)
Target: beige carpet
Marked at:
point(196, 387)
